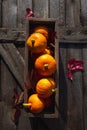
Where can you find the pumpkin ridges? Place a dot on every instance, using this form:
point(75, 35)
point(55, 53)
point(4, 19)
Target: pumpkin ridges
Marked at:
point(39, 44)
point(44, 87)
point(37, 103)
point(43, 60)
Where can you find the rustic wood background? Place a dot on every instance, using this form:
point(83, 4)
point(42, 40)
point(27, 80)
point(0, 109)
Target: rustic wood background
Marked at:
point(72, 20)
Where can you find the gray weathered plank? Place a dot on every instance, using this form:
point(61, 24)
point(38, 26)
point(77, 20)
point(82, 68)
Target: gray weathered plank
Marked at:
point(41, 8)
point(12, 14)
point(14, 61)
point(0, 13)
point(9, 15)
point(57, 10)
point(22, 5)
point(84, 12)
point(5, 10)
point(24, 122)
point(8, 84)
point(6, 117)
point(73, 13)
point(85, 86)
point(74, 92)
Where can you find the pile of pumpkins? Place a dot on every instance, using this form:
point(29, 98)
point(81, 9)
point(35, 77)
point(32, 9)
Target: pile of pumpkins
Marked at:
point(45, 64)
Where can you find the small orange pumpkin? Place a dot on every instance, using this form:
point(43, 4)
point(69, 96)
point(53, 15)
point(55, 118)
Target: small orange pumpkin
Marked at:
point(35, 104)
point(45, 65)
point(43, 30)
point(36, 42)
point(45, 87)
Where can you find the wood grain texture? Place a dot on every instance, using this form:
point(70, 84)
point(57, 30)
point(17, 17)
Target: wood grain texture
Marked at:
point(5, 9)
point(73, 13)
point(74, 93)
point(84, 12)
point(84, 90)
point(14, 61)
point(22, 5)
point(12, 14)
point(9, 13)
point(0, 13)
point(6, 117)
point(40, 8)
point(57, 10)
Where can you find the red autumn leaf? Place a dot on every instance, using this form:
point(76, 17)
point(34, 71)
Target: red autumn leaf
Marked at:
point(29, 13)
point(74, 66)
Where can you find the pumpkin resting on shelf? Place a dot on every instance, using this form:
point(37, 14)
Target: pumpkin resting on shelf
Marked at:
point(45, 87)
point(37, 42)
point(45, 65)
point(35, 104)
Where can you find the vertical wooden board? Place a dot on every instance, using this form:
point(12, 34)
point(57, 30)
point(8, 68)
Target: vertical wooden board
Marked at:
point(0, 12)
point(74, 95)
point(22, 5)
point(7, 84)
point(9, 13)
point(84, 12)
point(73, 13)
point(0, 78)
point(5, 10)
point(85, 86)
point(57, 10)
point(12, 14)
point(40, 8)
point(24, 122)
point(63, 82)
point(6, 117)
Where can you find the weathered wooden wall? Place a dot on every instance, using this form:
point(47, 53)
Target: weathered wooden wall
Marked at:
point(72, 19)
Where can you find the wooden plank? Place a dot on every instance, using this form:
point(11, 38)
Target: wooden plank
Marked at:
point(57, 10)
point(22, 5)
point(12, 14)
point(84, 54)
point(8, 84)
point(6, 115)
point(25, 122)
point(0, 12)
point(71, 34)
point(63, 83)
point(9, 14)
point(84, 12)
point(5, 13)
point(73, 13)
point(74, 92)
point(0, 78)
point(14, 61)
point(40, 8)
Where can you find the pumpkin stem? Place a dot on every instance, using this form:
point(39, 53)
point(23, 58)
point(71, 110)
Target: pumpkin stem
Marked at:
point(53, 90)
point(46, 66)
point(26, 104)
point(33, 41)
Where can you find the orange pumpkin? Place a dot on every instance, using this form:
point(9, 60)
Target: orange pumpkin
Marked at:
point(45, 65)
point(36, 42)
point(45, 87)
point(35, 104)
point(43, 30)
